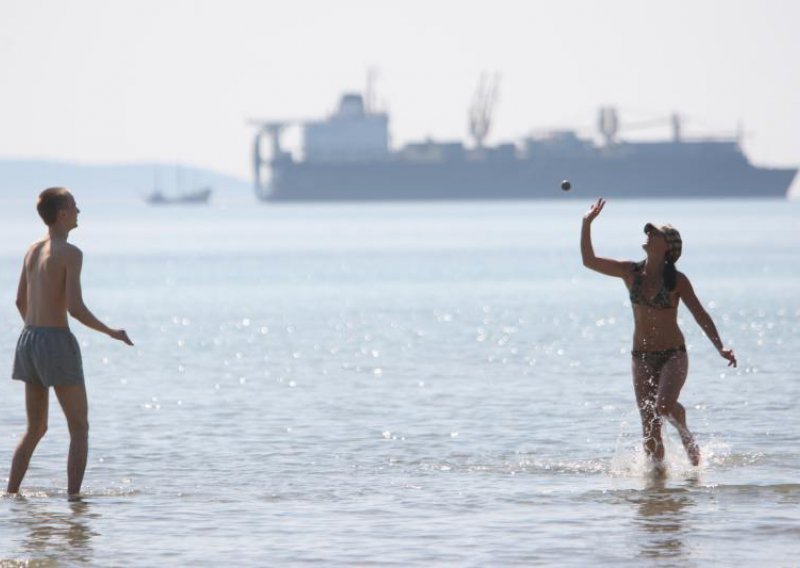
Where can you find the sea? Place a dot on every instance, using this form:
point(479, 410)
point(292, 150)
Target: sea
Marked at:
point(408, 384)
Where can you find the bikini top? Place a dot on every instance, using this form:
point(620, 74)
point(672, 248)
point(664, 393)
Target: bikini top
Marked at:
point(661, 301)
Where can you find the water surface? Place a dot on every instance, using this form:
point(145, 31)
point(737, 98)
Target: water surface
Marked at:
point(409, 384)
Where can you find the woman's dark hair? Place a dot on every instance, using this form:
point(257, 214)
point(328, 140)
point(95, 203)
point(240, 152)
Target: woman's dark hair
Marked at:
point(670, 274)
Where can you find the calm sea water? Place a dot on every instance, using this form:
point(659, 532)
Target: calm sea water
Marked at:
point(408, 384)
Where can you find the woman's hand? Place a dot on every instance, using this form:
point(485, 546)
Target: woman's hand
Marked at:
point(594, 210)
point(728, 354)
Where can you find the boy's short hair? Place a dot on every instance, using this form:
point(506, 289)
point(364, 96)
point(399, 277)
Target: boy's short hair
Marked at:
point(50, 202)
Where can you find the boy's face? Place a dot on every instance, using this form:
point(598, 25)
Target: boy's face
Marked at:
point(70, 213)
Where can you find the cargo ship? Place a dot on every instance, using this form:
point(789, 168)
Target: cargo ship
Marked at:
point(347, 157)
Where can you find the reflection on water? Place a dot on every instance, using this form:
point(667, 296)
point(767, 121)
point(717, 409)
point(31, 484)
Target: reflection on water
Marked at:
point(51, 533)
point(662, 517)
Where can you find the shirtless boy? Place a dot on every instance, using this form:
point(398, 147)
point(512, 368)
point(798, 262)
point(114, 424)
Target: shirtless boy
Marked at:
point(47, 353)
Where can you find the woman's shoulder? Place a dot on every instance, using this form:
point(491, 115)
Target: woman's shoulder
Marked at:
point(681, 279)
point(632, 271)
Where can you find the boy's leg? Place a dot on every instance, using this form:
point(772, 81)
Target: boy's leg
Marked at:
point(36, 404)
point(76, 410)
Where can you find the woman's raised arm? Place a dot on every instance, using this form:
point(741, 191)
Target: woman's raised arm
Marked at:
point(606, 266)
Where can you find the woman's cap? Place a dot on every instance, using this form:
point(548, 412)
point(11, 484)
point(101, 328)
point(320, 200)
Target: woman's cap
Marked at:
point(672, 236)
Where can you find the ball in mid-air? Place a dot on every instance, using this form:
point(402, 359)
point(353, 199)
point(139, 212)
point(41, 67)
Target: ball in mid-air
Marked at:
point(566, 185)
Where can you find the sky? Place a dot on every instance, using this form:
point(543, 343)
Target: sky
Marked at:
point(175, 81)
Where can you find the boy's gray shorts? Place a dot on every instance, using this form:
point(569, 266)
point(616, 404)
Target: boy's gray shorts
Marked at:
point(48, 356)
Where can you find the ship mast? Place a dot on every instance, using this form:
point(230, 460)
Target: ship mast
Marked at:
point(369, 93)
point(677, 127)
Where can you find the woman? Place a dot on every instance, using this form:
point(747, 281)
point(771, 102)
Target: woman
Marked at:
point(660, 363)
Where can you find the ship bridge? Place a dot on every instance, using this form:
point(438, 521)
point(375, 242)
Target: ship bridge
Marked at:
point(352, 134)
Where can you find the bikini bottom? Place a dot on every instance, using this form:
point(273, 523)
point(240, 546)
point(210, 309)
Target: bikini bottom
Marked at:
point(657, 359)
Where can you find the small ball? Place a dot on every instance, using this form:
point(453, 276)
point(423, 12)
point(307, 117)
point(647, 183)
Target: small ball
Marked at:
point(565, 185)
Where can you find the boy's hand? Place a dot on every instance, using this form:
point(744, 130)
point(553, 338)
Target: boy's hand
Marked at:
point(120, 335)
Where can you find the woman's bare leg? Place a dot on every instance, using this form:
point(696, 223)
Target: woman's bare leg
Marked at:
point(671, 381)
point(645, 386)
point(36, 403)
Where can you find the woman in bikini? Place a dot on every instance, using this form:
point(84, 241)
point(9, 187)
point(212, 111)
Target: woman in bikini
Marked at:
point(660, 363)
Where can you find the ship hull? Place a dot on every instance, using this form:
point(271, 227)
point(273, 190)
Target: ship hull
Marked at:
point(522, 179)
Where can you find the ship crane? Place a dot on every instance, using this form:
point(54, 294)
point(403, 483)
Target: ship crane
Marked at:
point(676, 121)
point(480, 112)
point(609, 126)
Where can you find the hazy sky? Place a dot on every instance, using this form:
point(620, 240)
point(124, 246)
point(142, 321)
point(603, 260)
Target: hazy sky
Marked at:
point(175, 80)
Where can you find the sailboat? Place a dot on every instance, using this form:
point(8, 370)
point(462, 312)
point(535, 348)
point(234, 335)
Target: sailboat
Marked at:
point(198, 196)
